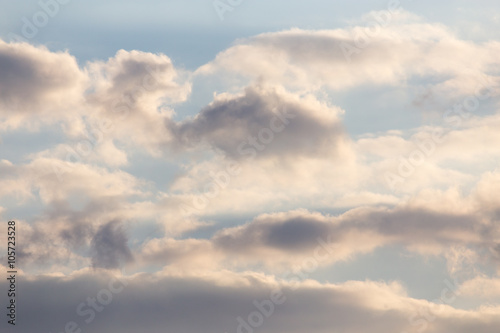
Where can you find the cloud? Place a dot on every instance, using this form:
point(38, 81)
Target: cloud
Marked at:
point(264, 122)
point(132, 96)
point(38, 86)
point(292, 232)
point(132, 77)
point(354, 232)
point(93, 149)
point(213, 302)
point(372, 52)
point(482, 288)
point(123, 98)
point(57, 180)
point(109, 247)
point(278, 240)
point(66, 212)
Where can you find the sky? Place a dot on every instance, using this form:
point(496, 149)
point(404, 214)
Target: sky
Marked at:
point(250, 166)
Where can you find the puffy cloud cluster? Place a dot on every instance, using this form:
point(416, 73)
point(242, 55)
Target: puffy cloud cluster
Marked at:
point(131, 95)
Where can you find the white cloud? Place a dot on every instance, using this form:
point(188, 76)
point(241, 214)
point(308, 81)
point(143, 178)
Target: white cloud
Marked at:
point(393, 54)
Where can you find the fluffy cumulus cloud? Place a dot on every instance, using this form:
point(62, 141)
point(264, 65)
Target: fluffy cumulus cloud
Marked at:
point(131, 96)
point(271, 175)
point(38, 85)
point(264, 122)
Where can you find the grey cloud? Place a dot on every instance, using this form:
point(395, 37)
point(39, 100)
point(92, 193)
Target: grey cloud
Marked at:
point(134, 73)
point(293, 231)
point(34, 76)
point(281, 125)
point(192, 304)
point(61, 231)
point(77, 228)
point(132, 93)
point(109, 246)
point(289, 234)
point(130, 77)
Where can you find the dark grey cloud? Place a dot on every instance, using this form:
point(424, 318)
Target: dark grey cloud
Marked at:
point(294, 232)
point(287, 234)
point(185, 303)
point(109, 246)
point(60, 231)
point(284, 231)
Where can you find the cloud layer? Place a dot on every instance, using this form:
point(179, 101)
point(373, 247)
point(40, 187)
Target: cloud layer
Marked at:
point(205, 211)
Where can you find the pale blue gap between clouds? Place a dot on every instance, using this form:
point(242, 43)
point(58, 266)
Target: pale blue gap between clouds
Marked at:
point(96, 29)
